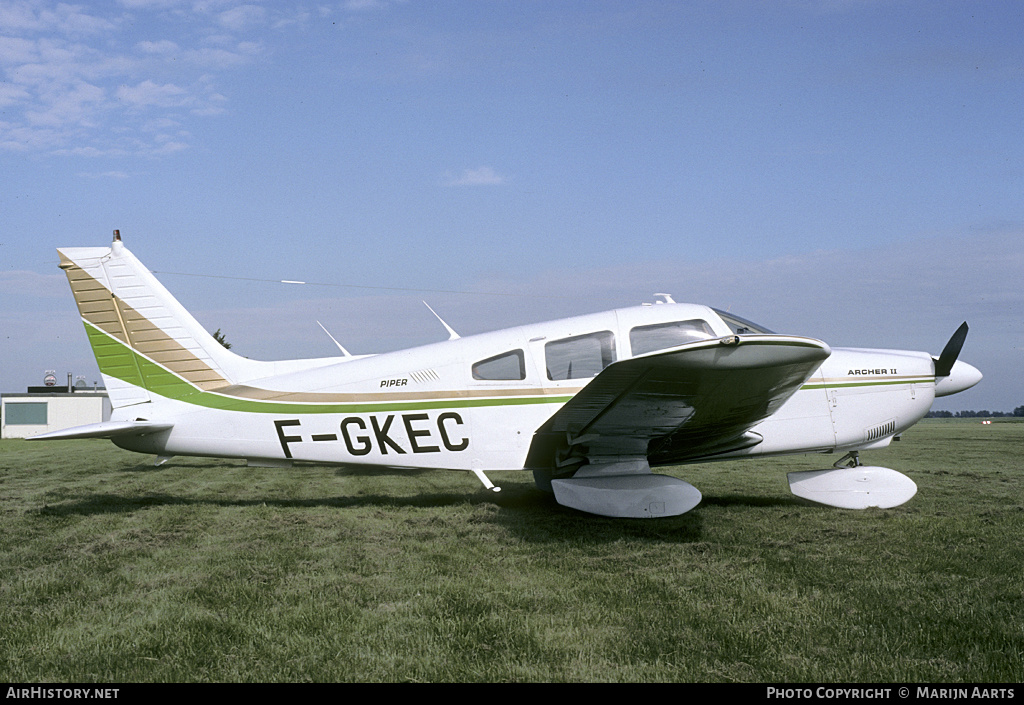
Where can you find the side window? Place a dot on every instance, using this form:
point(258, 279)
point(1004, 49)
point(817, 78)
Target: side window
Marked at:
point(579, 357)
point(645, 339)
point(740, 326)
point(510, 365)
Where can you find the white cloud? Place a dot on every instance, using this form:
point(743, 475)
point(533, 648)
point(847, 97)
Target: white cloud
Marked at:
point(149, 93)
point(72, 83)
point(482, 176)
point(75, 104)
point(168, 148)
point(16, 16)
point(211, 58)
point(242, 17)
point(164, 47)
point(150, 4)
point(10, 94)
point(17, 138)
point(119, 175)
point(71, 20)
point(92, 152)
point(17, 50)
point(362, 4)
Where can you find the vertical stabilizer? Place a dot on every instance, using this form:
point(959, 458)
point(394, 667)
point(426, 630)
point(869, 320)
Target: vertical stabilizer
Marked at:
point(145, 342)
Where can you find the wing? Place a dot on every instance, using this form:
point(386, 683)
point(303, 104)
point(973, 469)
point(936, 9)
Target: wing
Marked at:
point(684, 403)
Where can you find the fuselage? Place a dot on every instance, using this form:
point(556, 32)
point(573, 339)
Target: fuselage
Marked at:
point(474, 402)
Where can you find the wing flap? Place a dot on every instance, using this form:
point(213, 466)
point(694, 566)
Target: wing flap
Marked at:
point(687, 402)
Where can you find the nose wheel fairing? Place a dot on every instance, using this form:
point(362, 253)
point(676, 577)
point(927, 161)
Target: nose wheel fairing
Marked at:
point(858, 487)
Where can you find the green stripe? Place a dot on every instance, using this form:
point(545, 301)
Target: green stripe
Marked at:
point(118, 361)
point(114, 359)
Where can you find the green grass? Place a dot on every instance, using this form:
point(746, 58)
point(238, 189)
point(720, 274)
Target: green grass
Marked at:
point(206, 570)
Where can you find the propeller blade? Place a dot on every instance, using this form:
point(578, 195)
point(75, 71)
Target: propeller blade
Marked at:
point(944, 362)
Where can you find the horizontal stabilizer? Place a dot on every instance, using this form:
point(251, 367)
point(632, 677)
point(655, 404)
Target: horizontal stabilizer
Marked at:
point(858, 487)
point(106, 429)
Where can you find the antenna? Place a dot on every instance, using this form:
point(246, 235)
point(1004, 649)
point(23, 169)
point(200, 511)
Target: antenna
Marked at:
point(454, 335)
point(344, 352)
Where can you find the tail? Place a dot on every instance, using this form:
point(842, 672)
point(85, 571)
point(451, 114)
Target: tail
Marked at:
point(144, 341)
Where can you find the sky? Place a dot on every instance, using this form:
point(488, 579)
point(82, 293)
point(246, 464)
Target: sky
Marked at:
point(850, 170)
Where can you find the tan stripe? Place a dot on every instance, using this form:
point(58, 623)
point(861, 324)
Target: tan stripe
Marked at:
point(96, 305)
point(95, 301)
point(245, 392)
point(867, 378)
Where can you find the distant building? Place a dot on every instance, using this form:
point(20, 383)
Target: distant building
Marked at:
point(45, 409)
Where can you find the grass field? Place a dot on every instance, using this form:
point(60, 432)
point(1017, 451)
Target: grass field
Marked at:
point(205, 570)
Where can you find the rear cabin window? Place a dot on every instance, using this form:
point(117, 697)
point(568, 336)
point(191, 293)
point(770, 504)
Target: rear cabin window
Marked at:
point(510, 365)
point(579, 357)
point(645, 339)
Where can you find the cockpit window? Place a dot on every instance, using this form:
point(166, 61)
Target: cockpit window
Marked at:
point(741, 326)
point(644, 339)
point(581, 356)
point(510, 365)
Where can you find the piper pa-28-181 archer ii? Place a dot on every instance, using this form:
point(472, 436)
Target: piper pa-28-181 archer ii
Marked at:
point(589, 403)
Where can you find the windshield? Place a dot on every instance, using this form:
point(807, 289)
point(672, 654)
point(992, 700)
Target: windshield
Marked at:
point(741, 326)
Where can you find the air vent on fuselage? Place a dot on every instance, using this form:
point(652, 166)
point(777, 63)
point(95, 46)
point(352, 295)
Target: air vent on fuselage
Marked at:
point(881, 431)
point(424, 376)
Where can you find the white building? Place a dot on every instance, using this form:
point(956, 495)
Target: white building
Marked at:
point(24, 415)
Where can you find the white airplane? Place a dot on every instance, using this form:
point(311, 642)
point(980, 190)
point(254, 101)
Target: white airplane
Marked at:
point(589, 403)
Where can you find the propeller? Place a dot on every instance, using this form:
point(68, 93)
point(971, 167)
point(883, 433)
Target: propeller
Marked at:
point(944, 362)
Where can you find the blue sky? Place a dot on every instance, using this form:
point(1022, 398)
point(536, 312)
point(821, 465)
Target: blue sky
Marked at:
point(851, 170)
